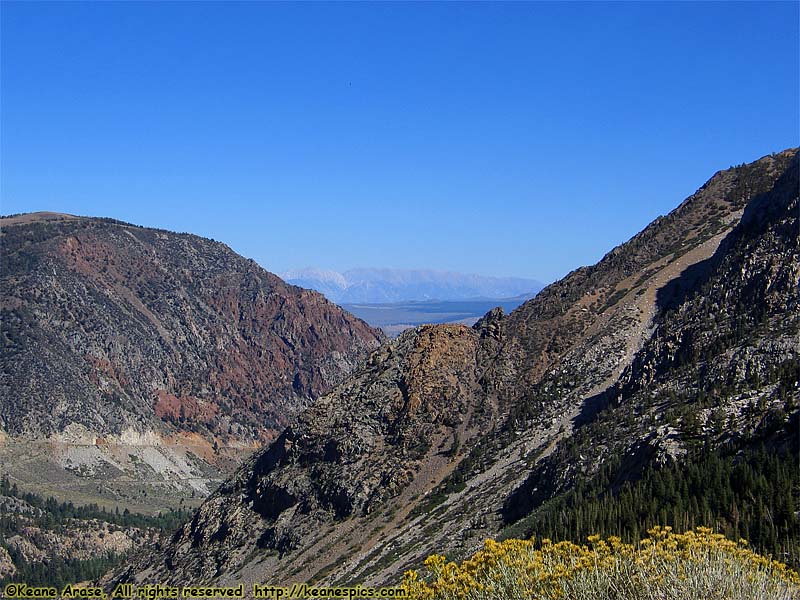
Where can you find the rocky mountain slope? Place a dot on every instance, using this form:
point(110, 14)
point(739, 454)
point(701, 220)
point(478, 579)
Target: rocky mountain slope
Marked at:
point(137, 355)
point(684, 336)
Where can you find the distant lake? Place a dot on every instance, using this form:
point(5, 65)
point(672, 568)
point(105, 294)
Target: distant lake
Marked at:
point(396, 317)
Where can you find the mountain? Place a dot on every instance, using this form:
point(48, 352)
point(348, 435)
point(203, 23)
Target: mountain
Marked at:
point(329, 283)
point(675, 357)
point(137, 361)
point(380, 286)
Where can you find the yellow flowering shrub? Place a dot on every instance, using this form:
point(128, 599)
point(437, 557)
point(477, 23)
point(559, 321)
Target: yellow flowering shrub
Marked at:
point(696, 565)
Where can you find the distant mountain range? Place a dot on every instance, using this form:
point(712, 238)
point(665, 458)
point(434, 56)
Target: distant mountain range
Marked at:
point(376, 286)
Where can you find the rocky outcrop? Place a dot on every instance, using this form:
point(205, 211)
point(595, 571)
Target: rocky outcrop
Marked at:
point(401, 417)
point(7, 566)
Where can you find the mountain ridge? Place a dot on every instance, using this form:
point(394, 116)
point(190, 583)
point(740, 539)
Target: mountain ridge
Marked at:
point(123, 341)
point(449, 434)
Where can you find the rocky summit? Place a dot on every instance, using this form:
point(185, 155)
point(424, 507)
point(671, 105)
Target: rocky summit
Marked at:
point(139, 364)
point(673, 357)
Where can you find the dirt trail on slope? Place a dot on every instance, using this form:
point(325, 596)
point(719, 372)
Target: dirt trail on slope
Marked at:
point(643, 305)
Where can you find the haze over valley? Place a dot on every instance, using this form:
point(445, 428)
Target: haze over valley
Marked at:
point(396, 299)
point(387, 286)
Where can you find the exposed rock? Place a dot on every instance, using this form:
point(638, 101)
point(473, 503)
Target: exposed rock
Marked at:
point(7, 567)
point(448, 434)
point(145, 355)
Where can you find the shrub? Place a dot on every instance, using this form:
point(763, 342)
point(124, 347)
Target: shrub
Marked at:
point(697, 565)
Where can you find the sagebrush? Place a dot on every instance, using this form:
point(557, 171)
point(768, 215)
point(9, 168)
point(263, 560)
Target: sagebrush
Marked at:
point(696, 565)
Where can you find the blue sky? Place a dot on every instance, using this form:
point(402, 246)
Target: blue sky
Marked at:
point(518, 139)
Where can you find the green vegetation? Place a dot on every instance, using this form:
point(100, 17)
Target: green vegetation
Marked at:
point(754, 496)
point(58, 572)
point(65, 518)
point(56, 514)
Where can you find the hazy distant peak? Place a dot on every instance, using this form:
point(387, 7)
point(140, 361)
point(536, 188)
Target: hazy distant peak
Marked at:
point(379, 285)
point(417, 275)
point(326, 275)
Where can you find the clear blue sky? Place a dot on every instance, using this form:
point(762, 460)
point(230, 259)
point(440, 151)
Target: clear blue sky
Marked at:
point(507, 139)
